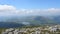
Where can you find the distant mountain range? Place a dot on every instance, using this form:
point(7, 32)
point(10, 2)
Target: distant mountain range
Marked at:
point(56, 19)
point(10, 25)
point(28, 20)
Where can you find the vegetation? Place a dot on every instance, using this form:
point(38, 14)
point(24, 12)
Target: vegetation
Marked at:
point(2, 29)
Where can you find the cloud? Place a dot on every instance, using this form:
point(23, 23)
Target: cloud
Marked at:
point(7, 10)
point(7, 7)
point(53, 11)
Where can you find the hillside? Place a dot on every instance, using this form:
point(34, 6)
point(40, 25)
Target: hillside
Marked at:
point(28, 20)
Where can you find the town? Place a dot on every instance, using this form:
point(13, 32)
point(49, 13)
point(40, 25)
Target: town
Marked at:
point(34, 30)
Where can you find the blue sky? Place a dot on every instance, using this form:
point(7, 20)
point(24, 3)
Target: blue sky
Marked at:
point(29, 7)
point(32, 4)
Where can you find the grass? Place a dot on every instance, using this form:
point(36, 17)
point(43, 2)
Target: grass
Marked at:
point(2, 29)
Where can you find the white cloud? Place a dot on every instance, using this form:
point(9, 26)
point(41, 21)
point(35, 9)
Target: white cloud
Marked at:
point(54, 11)
point(7, 9)
point(11, 10)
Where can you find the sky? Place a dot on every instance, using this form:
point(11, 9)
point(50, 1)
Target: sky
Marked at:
point(29, 7)
point(32, 4)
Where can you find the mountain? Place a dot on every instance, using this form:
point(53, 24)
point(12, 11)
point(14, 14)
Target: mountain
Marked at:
point(17, 21)
point(10, 25)
point(37, 20)
point(56, 19)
